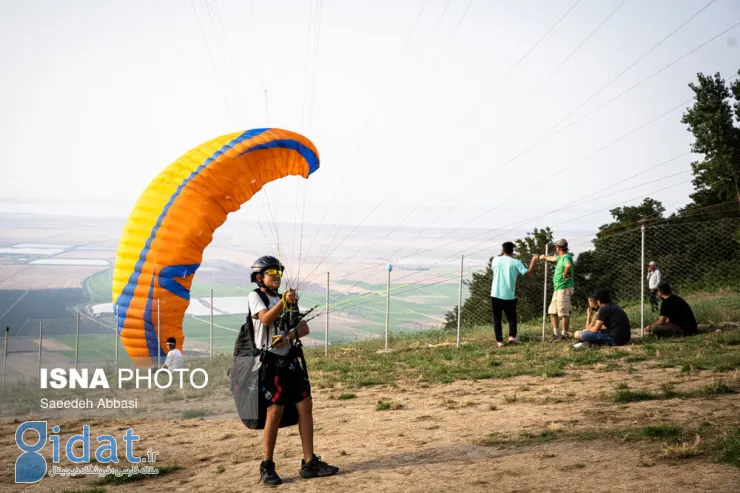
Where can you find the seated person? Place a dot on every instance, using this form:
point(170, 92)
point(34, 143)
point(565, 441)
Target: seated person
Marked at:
point(593, 309)
point(611, 327)
point(676, 317)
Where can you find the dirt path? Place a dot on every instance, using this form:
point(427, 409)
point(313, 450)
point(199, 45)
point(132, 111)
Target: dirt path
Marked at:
point(463, 436)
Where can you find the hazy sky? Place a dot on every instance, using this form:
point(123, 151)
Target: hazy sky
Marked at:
point(404, 100)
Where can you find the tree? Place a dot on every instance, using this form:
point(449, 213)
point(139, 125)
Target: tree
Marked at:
point(628, 216)
point(735, 87)
point(711, 122)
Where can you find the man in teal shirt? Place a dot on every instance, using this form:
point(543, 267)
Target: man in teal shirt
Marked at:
point(564, 288)
point(506, 271)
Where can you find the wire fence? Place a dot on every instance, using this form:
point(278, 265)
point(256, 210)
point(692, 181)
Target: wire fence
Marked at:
point(698, 258)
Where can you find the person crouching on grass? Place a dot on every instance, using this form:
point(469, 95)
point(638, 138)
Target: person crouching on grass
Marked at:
point(282, 382)
point(611, 327)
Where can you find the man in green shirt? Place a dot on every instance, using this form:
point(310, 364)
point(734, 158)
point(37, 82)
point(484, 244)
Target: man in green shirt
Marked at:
point(564, 287)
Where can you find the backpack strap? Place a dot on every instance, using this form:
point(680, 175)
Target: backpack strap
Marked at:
point(266, 301)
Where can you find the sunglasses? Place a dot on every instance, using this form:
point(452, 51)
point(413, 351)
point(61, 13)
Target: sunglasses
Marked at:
point(274, 272)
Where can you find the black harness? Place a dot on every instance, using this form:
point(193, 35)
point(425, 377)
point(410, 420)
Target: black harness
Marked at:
point(246, 346)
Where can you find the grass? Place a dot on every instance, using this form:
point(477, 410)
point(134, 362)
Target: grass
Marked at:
point(195, 413)
point(663, 432)
point(413, 360)
point(728, 450)
point(624, 394)
point(384, 405)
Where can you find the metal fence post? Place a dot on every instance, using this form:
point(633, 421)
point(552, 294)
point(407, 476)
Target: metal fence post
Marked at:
point(41, 341)
point(117, 341)
point(387, 305)
point(459, 301)
point(642, 284)
point(544, 298)
point(159, 344)
point(5, 356)
point(210, 351)
point(326, 330)
point(77, 342)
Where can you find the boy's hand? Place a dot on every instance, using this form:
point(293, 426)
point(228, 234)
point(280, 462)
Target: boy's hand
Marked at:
point(290, 297)
point(278, 341)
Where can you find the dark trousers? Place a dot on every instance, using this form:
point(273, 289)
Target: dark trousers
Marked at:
point(508, 307)
point(668, 330)
point(654, 300)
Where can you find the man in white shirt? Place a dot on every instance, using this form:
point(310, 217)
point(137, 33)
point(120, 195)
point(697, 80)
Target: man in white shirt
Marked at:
point(654, 278)
point(174, 356)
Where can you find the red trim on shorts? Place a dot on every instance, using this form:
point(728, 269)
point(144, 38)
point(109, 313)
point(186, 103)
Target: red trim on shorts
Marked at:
point(279, 390)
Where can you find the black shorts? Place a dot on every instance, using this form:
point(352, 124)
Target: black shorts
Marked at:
point(284, 385)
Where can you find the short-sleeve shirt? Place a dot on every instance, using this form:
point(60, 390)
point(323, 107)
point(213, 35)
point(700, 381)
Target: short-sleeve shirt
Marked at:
point(506, 270)
point(174, 360)
point(557, 280)
point(617, 323)
point(679, 313)
point(261, 333)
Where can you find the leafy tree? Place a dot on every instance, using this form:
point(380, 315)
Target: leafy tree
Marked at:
point(627, 217)
point(710, 120)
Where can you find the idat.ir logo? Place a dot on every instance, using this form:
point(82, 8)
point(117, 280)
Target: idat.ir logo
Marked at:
point(31, 466)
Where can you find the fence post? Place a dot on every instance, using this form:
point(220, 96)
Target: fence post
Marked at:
point(5, 356)
point(544, 298)
point(159, 343)
point(77, 342)
point(326, 330)
point(642, 284)
point(41, 341)
point(116, 357)
point(210, 350)
point(387, 305)
point(459, 301)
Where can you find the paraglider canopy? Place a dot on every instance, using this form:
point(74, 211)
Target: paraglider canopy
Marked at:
point(174, 220)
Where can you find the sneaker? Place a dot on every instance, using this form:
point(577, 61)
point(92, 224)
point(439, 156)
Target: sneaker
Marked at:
point(513, 340)
point(500, 345)
point(581, 344)
point(316, 468)
point(268, 474)
point(556, 338)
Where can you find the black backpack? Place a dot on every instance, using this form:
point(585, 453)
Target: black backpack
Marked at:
point(244, 345)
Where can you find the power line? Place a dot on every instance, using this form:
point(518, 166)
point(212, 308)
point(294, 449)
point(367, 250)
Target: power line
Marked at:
point(460, 120)
point(545, 137)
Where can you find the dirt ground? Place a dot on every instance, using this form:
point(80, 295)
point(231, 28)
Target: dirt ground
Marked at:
point(440, 440)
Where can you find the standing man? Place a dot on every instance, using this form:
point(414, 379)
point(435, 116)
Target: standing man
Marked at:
point(654, 278)
point(506, 271)
point(564, 287)
point(174, 356)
